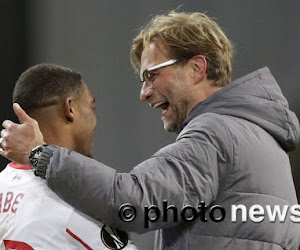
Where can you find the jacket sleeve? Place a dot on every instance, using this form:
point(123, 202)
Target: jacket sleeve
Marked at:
point(183, 173)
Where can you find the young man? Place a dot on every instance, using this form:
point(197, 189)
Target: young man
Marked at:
point(229, 159)
point(31, 215)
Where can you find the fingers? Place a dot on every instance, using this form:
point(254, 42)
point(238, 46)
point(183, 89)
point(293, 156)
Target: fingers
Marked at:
point(9, 125)
point(9, 128)
point(1, 141)
point(2, 146)
point(20, 139)
point(23, 117)
point(3, 133)
point(2, 152)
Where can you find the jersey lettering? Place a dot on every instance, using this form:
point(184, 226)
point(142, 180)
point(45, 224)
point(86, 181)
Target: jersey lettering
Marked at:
point(14, 206)
point(11, 202)
point(7, 203)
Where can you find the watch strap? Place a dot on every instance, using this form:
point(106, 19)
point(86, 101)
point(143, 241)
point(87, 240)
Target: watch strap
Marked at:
point(44, 160)
point(35, 154)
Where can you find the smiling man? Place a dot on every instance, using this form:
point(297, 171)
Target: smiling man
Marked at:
point(177, 94)
point(231, 149)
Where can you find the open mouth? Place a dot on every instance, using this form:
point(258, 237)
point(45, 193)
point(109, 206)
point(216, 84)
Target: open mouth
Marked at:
point(162, 105)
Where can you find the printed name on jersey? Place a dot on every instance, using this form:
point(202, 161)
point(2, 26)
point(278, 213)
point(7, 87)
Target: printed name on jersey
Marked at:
point(113, 238)
point(9, 201)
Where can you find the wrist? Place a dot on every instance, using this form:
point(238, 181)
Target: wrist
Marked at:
point(40, 157)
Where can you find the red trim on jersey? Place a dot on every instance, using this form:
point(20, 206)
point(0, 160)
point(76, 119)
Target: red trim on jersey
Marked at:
point(78, 239)
point(19, 166)
point(17, 245)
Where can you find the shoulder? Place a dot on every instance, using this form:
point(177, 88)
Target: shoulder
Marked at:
point(207, 134)
point(210, 128)
point(207, 123)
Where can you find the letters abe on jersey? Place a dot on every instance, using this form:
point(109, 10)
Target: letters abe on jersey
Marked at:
point(33, 217)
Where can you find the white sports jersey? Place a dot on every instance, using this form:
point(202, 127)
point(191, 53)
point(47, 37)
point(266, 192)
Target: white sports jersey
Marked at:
point(34, 217)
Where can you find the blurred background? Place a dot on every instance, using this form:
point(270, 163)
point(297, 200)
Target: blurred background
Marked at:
point(94, 37)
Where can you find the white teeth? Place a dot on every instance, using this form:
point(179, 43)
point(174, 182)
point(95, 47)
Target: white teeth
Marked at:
point(157, 104)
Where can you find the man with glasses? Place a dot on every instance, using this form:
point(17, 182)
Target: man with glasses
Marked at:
point(210, 188)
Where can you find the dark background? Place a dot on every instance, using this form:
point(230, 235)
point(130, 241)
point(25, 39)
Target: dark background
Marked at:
point(94, 37)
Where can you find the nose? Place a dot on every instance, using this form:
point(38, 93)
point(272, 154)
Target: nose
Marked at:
point(146, 93)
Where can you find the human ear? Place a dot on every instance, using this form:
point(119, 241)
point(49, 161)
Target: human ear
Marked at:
point(199, 66)
point(69, 109)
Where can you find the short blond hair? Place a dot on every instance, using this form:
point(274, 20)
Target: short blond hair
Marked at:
point(185, 35)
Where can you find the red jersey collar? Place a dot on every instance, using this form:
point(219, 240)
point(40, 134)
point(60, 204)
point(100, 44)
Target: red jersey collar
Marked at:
point(19, 166)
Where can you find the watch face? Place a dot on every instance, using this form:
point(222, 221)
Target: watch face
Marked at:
point(35, 156)
point(38, 154)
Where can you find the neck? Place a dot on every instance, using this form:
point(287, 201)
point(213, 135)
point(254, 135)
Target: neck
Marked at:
point(56, 136)
point(203, 91)
point(55, 129)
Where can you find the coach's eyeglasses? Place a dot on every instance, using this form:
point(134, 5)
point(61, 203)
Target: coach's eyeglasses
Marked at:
point(147, 79)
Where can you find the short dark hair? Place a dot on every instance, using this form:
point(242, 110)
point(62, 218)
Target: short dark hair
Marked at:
point(44, 85)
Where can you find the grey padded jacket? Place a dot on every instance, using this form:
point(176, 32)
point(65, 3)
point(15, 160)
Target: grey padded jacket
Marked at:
point(232, 151)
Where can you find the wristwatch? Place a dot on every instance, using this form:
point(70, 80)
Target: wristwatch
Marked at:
point(35, 155)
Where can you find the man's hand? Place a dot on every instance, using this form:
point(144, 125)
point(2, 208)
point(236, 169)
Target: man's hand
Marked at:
point(17, 140)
